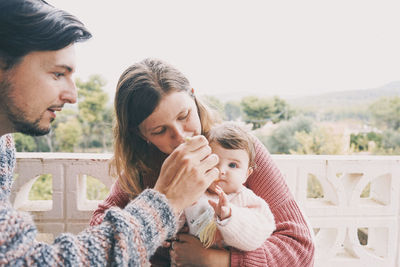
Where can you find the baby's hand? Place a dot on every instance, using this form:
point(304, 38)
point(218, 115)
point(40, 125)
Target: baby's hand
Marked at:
point(222, 209)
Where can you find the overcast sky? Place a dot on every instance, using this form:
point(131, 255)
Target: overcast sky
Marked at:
point(263, 47)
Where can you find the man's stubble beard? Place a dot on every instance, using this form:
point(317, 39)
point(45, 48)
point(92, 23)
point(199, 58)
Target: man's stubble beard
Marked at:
point(18, 117)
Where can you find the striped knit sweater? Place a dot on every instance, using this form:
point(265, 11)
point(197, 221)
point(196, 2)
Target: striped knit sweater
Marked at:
point(127, 237)
point(291, 244)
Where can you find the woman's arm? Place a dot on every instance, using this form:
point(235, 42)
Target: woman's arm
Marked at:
point(117, 197)
point(291, 244)
point(189, 251)
point(126, 237)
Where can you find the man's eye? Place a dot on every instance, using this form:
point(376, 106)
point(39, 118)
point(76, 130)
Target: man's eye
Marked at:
point(232, 165)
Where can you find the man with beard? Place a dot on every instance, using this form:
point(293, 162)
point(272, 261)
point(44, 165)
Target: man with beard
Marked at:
point(37, 60)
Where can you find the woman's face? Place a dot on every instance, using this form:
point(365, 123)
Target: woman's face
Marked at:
point(174, 118)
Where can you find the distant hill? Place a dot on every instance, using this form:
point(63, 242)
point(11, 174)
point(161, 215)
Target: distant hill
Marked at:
point(344, 98)
point(326, 100)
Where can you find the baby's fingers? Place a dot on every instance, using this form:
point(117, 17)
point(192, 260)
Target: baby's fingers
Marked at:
point(225, 212)
point(223, 206)
point(223, 199)
point(214, 205)
point(218, 189)
point(166, 244)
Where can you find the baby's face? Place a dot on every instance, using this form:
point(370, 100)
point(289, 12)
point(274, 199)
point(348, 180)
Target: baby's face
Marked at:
point(233, 168)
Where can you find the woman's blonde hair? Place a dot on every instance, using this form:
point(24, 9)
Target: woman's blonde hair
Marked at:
point(139, 90)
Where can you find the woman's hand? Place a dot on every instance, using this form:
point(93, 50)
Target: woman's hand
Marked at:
point(187, 172)
point(188, 251)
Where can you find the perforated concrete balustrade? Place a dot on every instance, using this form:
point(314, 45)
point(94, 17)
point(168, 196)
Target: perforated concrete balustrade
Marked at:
point(353, 207)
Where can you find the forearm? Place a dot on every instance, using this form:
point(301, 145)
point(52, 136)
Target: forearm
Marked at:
point(217, 258)
point(126, 237)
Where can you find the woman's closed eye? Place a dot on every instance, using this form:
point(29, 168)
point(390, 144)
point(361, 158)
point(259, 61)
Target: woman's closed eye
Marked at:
point(232, 165)
point(161, 131)
point(185, 116)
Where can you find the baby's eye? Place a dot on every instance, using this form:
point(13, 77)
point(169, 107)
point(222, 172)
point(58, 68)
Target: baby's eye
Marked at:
point(58, 74)
point(232, 165)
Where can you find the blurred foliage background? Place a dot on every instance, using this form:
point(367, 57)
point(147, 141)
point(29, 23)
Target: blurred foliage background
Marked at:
point(353, 122)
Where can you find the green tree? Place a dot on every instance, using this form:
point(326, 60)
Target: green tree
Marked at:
point(48, 142)
point(390, 144)
point(42, 142)
point(90, 124)
point(57, 139)
point(232, 110)
point(107, 133)
point(259, 111)
point(339, 112)
point(215, 104)
point(281, 110)
point(386, 112)
point(92, 108)
point(96, 190)
point(42, 188)
point(68, 134)
point(320, 141)
point(24, 143)
point(281, 140)
point(361, 141)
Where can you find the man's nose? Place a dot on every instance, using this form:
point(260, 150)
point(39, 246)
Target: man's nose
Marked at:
point(70, 93)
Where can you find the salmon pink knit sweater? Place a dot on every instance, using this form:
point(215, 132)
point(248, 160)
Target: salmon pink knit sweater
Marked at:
point(291, 244)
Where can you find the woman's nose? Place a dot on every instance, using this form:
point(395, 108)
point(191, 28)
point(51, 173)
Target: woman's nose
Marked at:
point(179, 134)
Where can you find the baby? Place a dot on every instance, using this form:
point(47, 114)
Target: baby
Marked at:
point(229, 214)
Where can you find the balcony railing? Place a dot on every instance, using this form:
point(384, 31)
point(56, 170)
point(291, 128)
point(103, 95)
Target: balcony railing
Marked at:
point(355, 214)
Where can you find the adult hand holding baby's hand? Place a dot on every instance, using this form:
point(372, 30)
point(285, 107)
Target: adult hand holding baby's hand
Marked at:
point(187, 172)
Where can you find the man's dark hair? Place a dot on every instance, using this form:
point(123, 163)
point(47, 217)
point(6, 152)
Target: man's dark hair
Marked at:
point(34, 25)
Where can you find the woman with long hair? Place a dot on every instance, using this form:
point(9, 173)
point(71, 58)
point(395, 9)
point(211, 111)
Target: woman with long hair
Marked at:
point(156, 111)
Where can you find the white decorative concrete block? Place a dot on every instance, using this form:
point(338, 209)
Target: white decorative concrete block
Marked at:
point(339, 215)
